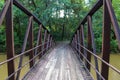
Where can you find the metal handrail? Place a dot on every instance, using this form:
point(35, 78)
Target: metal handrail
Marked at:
point(111, 66)
point(25, 64)
point(78, 37)
point(91, 64)
point(41, 46)
point(23, 53)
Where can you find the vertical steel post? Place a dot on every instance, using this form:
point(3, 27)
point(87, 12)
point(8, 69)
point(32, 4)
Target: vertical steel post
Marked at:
point(89, 45)
point(31, 53)
point(83, 43)
point(24, 46)
point(45, 38)
point(39, 41)
point(48, 41)
point(51, 42)
point(79, 48)
point(93, 45)
point(71, 42)
point(10, 41)
point(82, 39)
point(75, 41)
point(106, 41)
point(78, 39)
point(80, 44)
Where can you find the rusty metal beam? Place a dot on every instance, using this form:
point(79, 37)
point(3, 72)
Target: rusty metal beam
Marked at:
point(89, 46)
point(83, 43)
point(24, 46)
point(79, 33)
point(45, 39)
point(39, 41)
point(93, 45)
point(48, 39)
point(50, 42)
point(7, 12)
point(4, 10)
point(106, 42)
point(10, 41)
point(109, 17)
point(97, 6)
point(113, 20)
point(78, 40)
point(31, 40)
point(75, 41)
point(94, 9)
point(22, 8)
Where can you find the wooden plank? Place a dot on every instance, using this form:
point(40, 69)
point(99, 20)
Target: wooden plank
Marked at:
point(60, 64)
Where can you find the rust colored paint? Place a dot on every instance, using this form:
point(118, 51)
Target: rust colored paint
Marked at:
point(10, 41)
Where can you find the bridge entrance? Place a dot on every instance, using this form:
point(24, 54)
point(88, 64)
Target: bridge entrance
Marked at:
point(49, 60)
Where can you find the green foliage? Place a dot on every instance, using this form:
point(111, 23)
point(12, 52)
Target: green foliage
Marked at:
point(2, 38)
point(114, 47)
point(61, 18)
point(116, 7)
point(1, 4)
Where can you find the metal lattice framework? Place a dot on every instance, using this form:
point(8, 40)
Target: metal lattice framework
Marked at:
point(77, 42)
point(85, 52)
point(40, 48)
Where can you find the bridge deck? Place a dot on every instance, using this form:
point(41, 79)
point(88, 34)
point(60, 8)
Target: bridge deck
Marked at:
point(60, 64)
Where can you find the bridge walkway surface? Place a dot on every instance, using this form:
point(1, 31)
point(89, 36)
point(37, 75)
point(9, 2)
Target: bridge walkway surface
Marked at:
point(60, 63)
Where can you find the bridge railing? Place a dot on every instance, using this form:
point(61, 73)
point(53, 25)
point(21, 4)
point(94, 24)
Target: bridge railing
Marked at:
point(34, 52)
point(85, 53)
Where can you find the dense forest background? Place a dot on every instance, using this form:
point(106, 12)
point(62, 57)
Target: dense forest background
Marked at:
point(60, 17)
